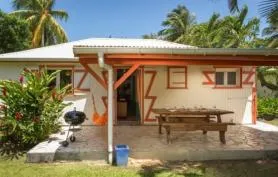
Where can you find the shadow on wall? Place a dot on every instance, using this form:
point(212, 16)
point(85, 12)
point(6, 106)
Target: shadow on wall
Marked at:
point(82, 103)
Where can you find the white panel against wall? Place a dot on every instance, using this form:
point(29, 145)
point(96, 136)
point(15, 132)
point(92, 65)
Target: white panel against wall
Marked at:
point(97, 90)
point(12, 70)
point(86, 83)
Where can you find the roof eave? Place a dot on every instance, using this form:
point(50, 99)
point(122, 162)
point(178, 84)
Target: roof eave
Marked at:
point(15, 59)
point(187, 51)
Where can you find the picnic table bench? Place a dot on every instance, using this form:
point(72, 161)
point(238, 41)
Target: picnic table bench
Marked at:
point(191, 120)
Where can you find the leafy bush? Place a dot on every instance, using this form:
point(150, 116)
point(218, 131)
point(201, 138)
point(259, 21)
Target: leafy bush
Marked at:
point(268, 108)
point(29, 112)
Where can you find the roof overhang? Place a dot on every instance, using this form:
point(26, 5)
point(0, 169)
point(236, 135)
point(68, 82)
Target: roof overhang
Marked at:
point(77, 50)
point(62, 60)
point(162, 56)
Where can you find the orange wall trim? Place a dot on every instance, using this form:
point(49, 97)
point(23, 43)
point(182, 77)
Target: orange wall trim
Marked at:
point(250, 74)
point(94, 74)
point(79, 85)
point(148, 96)
point(208, 76)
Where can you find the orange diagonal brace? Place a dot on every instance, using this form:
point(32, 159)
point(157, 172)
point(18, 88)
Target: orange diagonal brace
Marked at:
point(125, 75)
point(95, 75)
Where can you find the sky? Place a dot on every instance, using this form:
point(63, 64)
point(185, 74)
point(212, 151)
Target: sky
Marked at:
point(131, 18)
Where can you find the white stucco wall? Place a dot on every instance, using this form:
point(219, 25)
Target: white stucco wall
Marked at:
point(196, 95)
point(199, 95)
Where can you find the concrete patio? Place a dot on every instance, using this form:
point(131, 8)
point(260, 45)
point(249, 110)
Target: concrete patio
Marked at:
point(243, 142)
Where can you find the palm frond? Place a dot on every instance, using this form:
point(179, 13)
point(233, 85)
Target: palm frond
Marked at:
point(233, 6)
point(60, 14)
point(213, 21)
point(273, 43)
point(23, 13)
point(242, 15)
point(60, 33)
point(268, 8)
point(28, 4)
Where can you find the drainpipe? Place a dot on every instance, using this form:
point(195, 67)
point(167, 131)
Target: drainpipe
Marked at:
point(110, 104)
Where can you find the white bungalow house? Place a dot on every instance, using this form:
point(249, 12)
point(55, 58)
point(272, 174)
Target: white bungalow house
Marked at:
point(126, 78)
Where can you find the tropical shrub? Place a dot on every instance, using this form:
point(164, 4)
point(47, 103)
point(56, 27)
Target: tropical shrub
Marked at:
point(29, 111)
point(268, 108)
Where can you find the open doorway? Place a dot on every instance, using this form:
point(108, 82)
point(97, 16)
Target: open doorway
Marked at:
point(128, 96)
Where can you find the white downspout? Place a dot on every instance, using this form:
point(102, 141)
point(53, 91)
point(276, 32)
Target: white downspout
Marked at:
point(110, 104)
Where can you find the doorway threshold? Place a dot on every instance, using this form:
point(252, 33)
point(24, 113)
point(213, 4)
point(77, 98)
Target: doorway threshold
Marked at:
point(126, 122)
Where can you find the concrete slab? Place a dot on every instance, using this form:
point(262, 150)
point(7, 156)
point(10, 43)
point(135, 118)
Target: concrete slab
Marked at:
point(242, 142)
point(45, 151)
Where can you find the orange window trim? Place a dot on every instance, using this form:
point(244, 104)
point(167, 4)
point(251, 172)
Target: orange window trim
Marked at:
point(176, 72)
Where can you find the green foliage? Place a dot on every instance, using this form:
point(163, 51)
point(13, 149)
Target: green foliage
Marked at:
point(268, 76)
point(42, 17)
point(233, 31)
point(29, 111)
point(205, 35)
point(177, 24)
point(271, 32)
point(267, 107)
point(228, 32)
point(150, 36)
point(236, 30)
point(14, 34)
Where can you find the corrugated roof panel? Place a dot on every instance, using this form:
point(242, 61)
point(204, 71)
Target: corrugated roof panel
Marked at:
point(65, 51)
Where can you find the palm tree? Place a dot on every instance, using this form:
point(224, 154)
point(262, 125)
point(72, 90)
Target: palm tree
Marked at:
point(177, 24)
point(205, 34)
point(236, 33)
point(42, 18)
point(272, 33)
point(267, 7)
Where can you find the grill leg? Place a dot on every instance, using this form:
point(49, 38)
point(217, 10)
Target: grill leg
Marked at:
point(68, 132)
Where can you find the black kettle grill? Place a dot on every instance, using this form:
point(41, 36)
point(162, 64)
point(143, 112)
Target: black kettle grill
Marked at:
point(73, 118)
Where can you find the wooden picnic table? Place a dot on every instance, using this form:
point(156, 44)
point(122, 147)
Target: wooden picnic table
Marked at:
point(190, 119)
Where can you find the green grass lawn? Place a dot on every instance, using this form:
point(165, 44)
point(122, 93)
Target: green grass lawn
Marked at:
point(272, 122)
point(17, 168)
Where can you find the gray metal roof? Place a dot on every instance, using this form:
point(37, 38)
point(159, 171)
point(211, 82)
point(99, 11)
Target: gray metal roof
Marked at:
point(64, 52)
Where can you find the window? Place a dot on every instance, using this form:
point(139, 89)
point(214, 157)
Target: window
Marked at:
point(231, 78)
point(177, 78)
point(63, 78)
point(227, 77)
point(219, 78)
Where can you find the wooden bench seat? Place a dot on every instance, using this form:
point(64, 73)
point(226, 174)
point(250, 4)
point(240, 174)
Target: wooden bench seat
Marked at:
point(191, 119)
point(204, 126)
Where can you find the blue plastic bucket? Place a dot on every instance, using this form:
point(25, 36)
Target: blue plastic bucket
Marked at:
point(121, 154)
